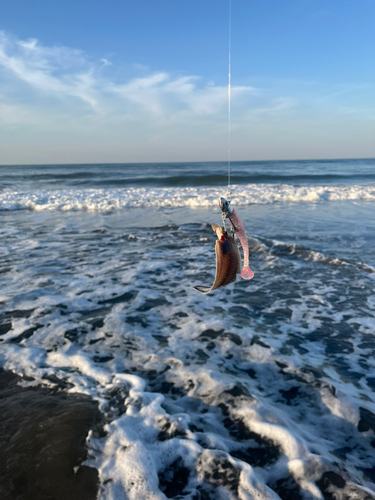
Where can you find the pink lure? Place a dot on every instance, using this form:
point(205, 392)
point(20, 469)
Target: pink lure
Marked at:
point(239, 229)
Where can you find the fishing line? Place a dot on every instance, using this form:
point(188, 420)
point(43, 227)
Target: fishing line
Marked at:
point(229, 189)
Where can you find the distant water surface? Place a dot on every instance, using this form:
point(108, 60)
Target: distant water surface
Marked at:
point(187, 174)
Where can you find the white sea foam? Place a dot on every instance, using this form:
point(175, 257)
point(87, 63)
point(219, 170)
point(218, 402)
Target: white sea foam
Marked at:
point(167, 197)
point(248, 389)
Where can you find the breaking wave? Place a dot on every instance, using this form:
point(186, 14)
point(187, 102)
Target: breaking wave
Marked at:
point(105, 200)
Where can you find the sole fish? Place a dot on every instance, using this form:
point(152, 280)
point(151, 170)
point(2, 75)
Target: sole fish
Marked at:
point(228, 261)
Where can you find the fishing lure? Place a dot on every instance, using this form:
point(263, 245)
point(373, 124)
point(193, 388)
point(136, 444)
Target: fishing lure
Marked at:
point(229, 213)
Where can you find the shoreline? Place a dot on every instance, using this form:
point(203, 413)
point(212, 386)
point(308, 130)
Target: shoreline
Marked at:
point(43, 436)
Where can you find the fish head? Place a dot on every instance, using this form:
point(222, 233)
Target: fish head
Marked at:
point(220, 231)
point(226, 207)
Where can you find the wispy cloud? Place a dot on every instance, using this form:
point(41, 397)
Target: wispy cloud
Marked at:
point(143, 91)
point(275, 107)
point(162, 94)
point(48, 69)
point(106, 62)
point(66, 72)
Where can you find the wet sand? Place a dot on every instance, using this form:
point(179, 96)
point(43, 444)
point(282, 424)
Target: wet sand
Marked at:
point(42, 438)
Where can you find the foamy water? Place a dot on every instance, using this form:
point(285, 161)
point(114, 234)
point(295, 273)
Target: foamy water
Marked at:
point(263, 389)
point(119, 199)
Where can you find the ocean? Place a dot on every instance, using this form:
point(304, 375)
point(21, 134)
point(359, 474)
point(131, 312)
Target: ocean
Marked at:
point(263, 389)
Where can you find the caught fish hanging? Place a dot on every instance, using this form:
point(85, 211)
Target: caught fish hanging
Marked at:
point(228, 258)
point(228, 261)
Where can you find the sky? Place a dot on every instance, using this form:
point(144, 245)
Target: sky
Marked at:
point(114, 81)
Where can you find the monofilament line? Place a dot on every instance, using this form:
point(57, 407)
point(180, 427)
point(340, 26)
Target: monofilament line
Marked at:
point(229, 189)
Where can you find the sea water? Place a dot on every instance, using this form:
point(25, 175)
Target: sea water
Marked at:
point(263, 389)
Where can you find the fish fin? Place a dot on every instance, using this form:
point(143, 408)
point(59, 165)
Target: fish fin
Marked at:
point(202, 289)
point(247, 273)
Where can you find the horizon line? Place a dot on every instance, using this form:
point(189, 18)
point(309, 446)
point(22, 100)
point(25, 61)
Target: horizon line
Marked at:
point(172, 162)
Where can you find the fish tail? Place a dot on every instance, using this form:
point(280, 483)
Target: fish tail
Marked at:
point(247, 273)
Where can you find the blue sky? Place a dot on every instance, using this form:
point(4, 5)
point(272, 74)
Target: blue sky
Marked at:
point(95, 81)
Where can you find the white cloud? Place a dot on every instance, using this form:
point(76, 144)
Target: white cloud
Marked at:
point(143, 91)
point(106, 62)
point(41, 68)
point(161, 94)
point(63, 72)
point(276, 107)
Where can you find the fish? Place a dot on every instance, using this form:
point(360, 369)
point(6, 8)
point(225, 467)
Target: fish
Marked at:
point(228, 261)
point(239, 229)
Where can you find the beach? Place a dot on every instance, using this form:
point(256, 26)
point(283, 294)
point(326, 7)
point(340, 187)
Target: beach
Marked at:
point(262, 389)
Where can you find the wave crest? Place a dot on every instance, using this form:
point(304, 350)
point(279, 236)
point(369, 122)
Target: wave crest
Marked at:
point(193, 197)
